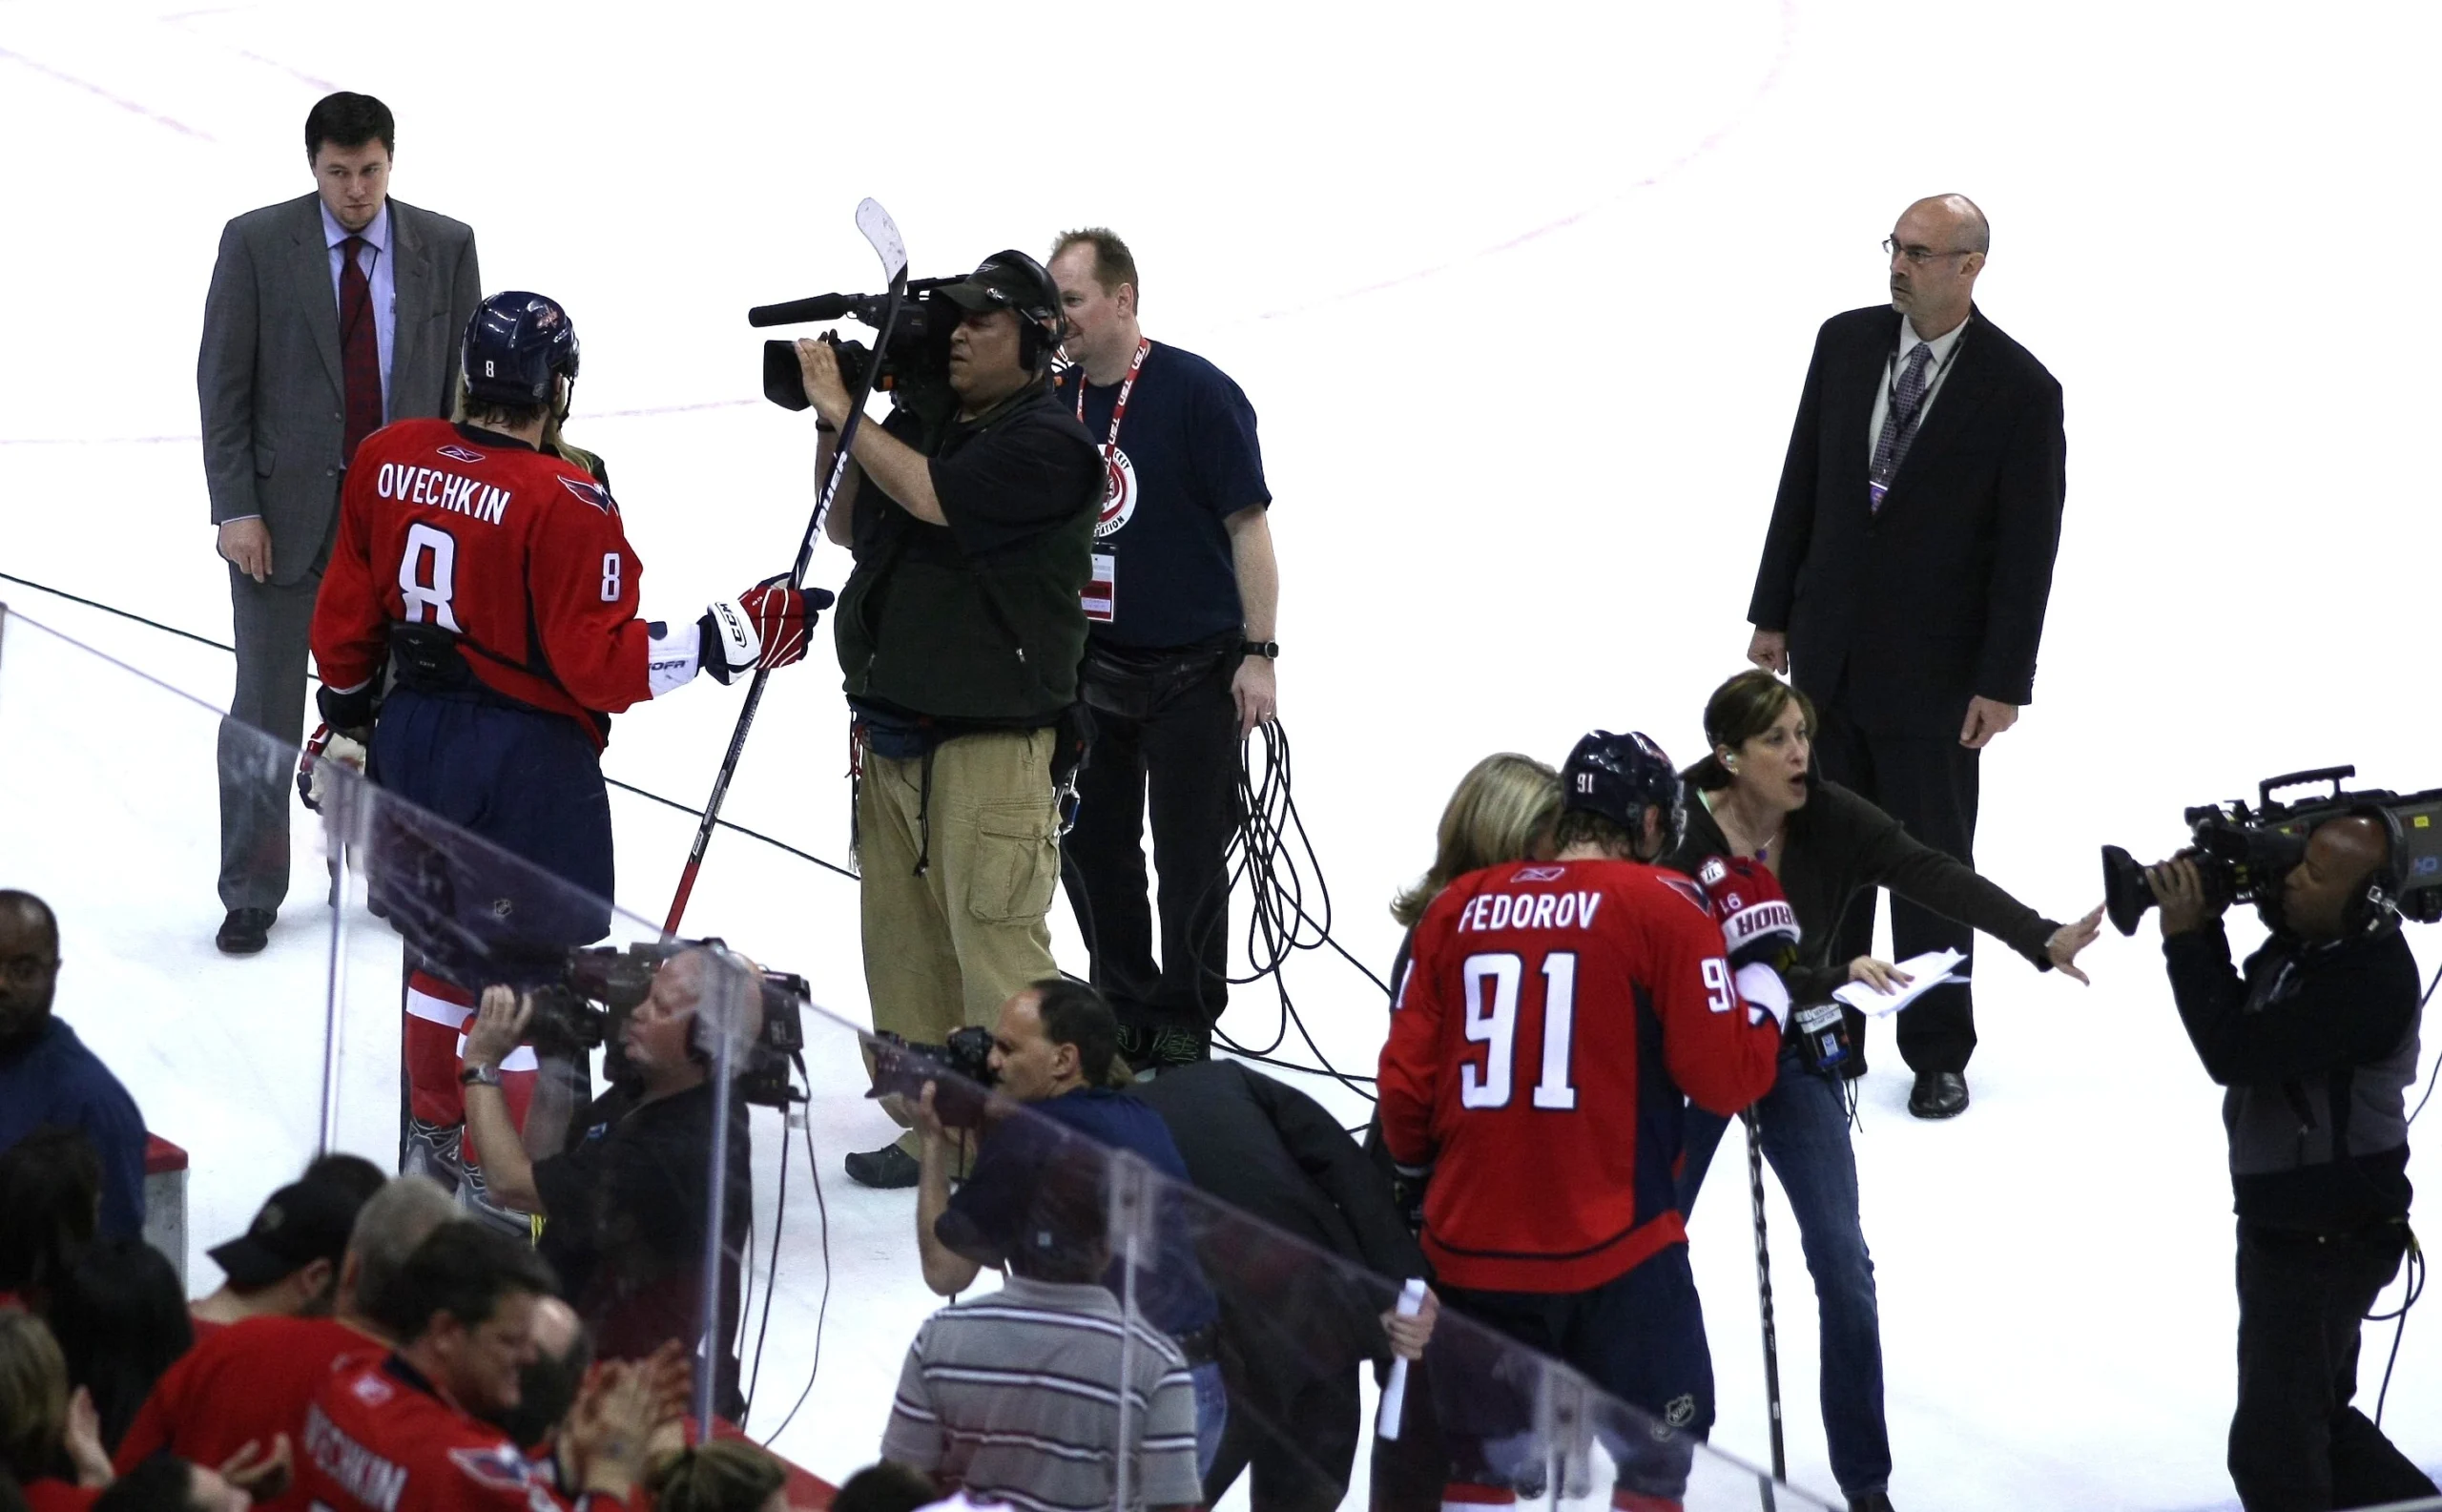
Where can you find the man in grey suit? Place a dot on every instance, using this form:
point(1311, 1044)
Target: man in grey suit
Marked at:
point(330, 316)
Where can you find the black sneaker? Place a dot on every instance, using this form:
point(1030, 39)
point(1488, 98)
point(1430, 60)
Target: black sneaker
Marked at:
point(245, 931)
point(887, 1167)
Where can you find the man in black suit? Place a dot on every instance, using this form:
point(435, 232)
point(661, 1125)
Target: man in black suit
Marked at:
point(329, 316)
point(1906, 569)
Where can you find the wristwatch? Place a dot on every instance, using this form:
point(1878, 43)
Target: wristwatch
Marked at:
point(1268, 650)
point(486, 1075)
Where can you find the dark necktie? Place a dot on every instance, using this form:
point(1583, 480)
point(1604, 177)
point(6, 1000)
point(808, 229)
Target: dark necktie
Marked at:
point(360, 350)
point(1899, 426)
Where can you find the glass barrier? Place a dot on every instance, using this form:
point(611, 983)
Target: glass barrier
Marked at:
point(1290, 1344)
point(605, 1054)
point(1146, 1343)
point(112, 791)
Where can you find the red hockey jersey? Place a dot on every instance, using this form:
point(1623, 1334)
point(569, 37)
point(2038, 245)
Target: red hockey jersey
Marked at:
point(378, 1439)
point(519, 554)
point(242, 1384)
point(1554, 1019)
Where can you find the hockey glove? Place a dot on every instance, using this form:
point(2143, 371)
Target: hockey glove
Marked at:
point(1759, 931)
point(341, 747)
point(766, 626)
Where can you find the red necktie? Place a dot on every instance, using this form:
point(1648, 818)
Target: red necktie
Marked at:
point(360, 350)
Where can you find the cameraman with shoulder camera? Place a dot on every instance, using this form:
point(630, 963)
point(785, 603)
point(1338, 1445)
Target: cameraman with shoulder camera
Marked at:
point(625, 1202)
point(960, 632)
point(1052, 1047)
point(2316, 1042)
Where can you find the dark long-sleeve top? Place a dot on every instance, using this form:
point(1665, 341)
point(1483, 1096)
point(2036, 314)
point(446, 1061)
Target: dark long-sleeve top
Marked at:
point(2317, 1044)
point(1837, 846)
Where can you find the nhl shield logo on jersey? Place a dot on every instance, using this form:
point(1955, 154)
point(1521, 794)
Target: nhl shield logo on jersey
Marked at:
point(1119, 492)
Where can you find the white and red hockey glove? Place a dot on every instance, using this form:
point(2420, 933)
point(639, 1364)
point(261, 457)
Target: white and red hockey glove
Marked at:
point(1759, 931)
point(766, 626)
point(342, 747)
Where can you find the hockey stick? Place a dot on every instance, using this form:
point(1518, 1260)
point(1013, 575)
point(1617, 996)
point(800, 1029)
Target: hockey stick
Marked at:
point(882, 233)
point(1764, 1293)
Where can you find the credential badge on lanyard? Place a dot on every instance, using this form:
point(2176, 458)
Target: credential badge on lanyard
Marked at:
point(1100, 598)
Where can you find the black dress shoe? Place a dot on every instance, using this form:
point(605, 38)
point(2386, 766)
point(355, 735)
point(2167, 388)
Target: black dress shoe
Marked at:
point(245, 931)
point(1879, 1502)
point(1938, 1094)
point(885, 1168)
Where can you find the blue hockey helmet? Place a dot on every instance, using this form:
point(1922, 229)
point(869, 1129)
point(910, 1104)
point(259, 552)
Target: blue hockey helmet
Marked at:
point(515, 344)
point(1620, 777)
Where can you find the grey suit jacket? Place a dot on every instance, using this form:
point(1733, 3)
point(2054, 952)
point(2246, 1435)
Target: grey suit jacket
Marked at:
point(269, 377)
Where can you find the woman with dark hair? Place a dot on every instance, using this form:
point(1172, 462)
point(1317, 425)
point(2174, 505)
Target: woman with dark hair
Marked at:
point(1756, 795)
point(121, 1320)
point(51, 1188)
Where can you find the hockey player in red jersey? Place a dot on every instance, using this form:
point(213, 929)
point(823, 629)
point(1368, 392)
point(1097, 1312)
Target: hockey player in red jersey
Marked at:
point(491, 585)
point(1554, 1019)
point(406, 1432)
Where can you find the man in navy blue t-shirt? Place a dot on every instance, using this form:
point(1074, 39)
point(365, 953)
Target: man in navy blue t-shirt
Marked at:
point(1178, 658)
point(1051, 1051)
point(46, 1076)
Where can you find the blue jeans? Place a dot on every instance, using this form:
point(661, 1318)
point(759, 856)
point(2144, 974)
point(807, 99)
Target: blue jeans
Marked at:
point(1805, 1125)
point(1212, 1412)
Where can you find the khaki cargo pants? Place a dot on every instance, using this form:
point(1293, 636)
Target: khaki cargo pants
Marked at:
point(948, 948)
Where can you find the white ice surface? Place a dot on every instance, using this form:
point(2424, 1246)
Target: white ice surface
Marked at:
point(1523, 296)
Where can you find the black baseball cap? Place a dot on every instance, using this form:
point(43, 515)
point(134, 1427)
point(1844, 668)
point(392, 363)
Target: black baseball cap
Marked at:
point(1008, 280)
point(305, 1222)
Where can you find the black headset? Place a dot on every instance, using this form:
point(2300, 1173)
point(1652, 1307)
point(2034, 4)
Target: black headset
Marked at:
point(2374, 906)
point(1035, 343)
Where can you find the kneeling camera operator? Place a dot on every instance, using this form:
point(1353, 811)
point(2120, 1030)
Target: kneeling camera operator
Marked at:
point(625, 1202)
point(2316, 1040)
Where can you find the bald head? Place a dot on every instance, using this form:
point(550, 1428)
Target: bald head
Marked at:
point(1938, 249)
point(2340, 855)
point(28, 964)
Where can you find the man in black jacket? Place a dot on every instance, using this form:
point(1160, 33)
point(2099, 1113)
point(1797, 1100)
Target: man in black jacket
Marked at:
point(960, 632)
point(2316, 1044)
point(1293, 1333)
point(1906, 570)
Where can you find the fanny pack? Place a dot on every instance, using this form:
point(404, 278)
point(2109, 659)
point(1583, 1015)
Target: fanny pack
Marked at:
point(1136, 683)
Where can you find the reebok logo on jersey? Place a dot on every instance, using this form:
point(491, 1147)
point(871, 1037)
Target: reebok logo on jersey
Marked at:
point(1541, 874)
point(461, 454)
point(1530, 911)
point(592, 493)
point(442, 491)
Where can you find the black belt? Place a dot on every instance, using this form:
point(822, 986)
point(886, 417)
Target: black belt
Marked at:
point(1201, 1345)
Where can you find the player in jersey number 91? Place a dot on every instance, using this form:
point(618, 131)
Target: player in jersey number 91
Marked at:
point(1554, 1021)
point(493, 581)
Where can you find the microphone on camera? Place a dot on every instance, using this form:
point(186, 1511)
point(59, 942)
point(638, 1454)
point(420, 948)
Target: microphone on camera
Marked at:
point(821, 308)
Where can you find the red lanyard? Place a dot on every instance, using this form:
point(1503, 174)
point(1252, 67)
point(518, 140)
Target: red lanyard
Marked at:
point(1119, 409)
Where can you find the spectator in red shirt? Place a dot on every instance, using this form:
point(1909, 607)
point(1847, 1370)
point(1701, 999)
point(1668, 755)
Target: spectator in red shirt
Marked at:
point(408, 1433)
point(287, 1262)
point(249, 1383)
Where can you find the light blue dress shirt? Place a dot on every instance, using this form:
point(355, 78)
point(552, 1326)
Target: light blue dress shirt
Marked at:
point(380, 271)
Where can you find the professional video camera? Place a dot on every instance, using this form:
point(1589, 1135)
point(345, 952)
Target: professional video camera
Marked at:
point(961, 1072)
point(2242, 854)
point(590, 1004)
point(915, 367)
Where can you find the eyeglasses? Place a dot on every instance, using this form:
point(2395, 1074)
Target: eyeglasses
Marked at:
point(1917, 256)
point(24, 971)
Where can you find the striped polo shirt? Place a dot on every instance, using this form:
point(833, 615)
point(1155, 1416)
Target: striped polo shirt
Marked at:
point(1016, 1398)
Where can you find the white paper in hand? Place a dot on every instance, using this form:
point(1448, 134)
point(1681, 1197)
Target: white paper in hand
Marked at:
point(1927, 971)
